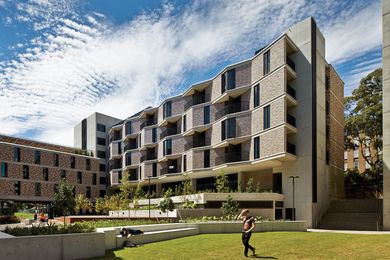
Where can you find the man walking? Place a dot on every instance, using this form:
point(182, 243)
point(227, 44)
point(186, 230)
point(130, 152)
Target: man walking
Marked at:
point(248, 224)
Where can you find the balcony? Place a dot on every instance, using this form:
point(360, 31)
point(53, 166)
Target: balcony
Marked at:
point(148, 157)
point(130, 146)
point(291, 63)
point(115, 166)
point(170, 131)
point(196, 100)
point(232, 108)
point(167, 170)
point(233, 157)
point(291, 148)
point(197, 143)
point(291, 120)
point(148, 122)
point(116, 137)
point(291, 91)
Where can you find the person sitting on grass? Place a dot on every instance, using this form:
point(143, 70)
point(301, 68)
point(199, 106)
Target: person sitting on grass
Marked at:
point(248, 224)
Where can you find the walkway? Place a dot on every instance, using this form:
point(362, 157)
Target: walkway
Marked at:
point(350, 232)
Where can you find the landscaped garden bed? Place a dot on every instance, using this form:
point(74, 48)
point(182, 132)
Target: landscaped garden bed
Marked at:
point(51, 229)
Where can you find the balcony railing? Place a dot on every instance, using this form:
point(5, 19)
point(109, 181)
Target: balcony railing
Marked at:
point(148, 157)
point(291, 148)
point(115, 137)
point(197, 99)
point(291, 120)
point(291, 91)
point(232, 108)
point(149, 122)
point(291, 63)
point(233, 157)
point(115, 166)
point(169, 131)
point(197, 143)
point(130, 146)
point(165, 171)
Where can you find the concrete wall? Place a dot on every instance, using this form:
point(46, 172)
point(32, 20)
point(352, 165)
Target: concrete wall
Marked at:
point(386, 114)
point(68, 246)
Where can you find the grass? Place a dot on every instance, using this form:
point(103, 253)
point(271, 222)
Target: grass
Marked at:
point(269, 245)
point(24, 215)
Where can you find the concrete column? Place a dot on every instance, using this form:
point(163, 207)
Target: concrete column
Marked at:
point(239, 177)
point(158, 189)
point(386, 113)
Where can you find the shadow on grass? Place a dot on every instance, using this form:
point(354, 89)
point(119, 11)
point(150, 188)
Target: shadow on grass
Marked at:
point(111, 255)
point(263, 257)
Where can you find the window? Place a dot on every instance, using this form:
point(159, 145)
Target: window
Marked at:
point(102, 167)
point(185, 163)
point(356, 152)
point(4, 169)
point(101, 141)
point(140, 172)
point(128, 158)
point(88, 164)
point(228, 128)
point(206, 159)
point(45, 173)
point(55, 160)
point(367, 152)
point(223, 83)
point(37, 157)
point(17, 187)
point(88, 193)
point(206, 115)
point(154, 170)
point(256, 95)
point(266, 117)
point(37, 189)
point(102, 193)
point(101, 154)
point(266, 62)
point(16, 154)
point(63, 174)
point(94, 179)
point(256, 147)
point(167, 109)
point(184, 123)
point(154, 135)
point(102, 180)
point(345, 155)
point(345, 166)
point(368, 166)
point(231, 79)
point(55, 188)
point(356, 164)
point(167, 145)
point(26, 172)
point(129, 128)
point(79, 177)
point(101, 128)
point(72, 162)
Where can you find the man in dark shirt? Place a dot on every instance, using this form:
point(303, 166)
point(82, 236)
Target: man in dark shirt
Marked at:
point(248, 224)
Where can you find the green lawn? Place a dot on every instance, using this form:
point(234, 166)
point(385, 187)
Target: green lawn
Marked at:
point(24, 215)
point(269, 245)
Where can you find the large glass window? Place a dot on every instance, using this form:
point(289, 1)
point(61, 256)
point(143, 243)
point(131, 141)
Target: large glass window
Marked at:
point(26, 172)
point(63, 174)
point(79, 177)
point(94, 179)
point(184, 123)
point(167, 147)
point(185, 163)
point(37, 189)
point(206, 115)
point(266, 62)
point(228, 80)
point(267, 117)
point(228, 128)
point(45, 173)
point(55, 159)
point(167, 109)
point(256, 147)
point(154, 135)
point(256, 95)
point(101, 141)
point(102, 167)
point(17, 187)
point(154, 170)
point(4, 169)
point(88, 164)
point(206, 159)
point(72, 162)
point(129, 128)
point(101, 154)
point(88, 193)
point(16, 154)
point(37, 157)
point(101, 128)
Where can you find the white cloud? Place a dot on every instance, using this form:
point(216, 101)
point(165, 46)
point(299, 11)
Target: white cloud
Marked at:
point(83, 64)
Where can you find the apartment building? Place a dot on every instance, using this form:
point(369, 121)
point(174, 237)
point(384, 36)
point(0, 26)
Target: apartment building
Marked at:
point(276, 115)
point(91, 134)
point(30, 171)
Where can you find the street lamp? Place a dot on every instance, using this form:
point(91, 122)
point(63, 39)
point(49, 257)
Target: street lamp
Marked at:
point(293, 181)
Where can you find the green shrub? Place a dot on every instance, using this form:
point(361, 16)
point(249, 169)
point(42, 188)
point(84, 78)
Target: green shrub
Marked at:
point(9, 219)
point(50, 229)
point(229, 208)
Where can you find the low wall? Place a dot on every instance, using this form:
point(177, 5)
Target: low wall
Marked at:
point(142, 213)
point(67, 246)
point(196, 213)
point(3, 227)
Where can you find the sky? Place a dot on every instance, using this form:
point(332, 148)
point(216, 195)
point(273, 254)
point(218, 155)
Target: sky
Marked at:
point(62, 60)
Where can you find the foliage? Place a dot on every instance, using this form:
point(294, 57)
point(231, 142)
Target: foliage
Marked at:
point(139, 192)
point(64, 202)
point(222, 183)
point(100, 206)
point(82, 204)
point(249, 185)
point(178, 190)
point(50, 229)
point(120, 223)
point(189, 204)
point(116, 202)
point(167, 204)
point(365, 185)
point(187, 186)
point(83, 152)
point(363, 119)
point(258, 187)
point(125, 187)
point(230, 207)
point(11, 219)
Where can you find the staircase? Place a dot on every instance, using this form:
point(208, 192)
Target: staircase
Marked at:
point(353, 214)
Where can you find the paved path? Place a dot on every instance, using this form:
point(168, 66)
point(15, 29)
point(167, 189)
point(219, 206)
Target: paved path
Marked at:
point(350, 232)
point(4, 235)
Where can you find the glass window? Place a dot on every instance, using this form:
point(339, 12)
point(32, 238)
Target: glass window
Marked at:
point(101, 141)
point(184, 123)
point(345, 166)
point(345, 155)
point(55, 159)
point(88, 164)
point(256, 146)
point(154, 135)
point(129, 128)
point(63, 174)
point(206, 159)
point(16, 154)
point(101, 154)
point(37, 189)
point(154, 170)
point(88, 193)
point(45, 173)
point(223, 83)
point(101, 128)
point(17, 187)
point(167, 109)
point(228, 128)
point(356, 164)
point(206, 115)
point(72, 162)
point(266, 62)
point(102, 167)
point(26, 172)
point(185, 163)
point(4, 169)
point(37, 157)
point(102, 180)
point(79, 177)
point(256, 95)
point(266, 117)
point(231, 79)
point(167, 147)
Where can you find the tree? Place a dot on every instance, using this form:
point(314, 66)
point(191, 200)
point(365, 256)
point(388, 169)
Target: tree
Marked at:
point(125, 187)
point(100, 205)
point(167, 204)
point(363, 119)
point(187, 186)
point(249, 185)
point(222, 183)
point(258, 187)
point(82, 203)
point(139, 192)
point(230, 207)
point(64, 202)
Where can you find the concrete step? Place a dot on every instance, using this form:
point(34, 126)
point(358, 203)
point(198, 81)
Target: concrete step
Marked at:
point(350, 221)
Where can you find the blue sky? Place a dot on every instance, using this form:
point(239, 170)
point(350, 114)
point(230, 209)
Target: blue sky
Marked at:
point(61, 60)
